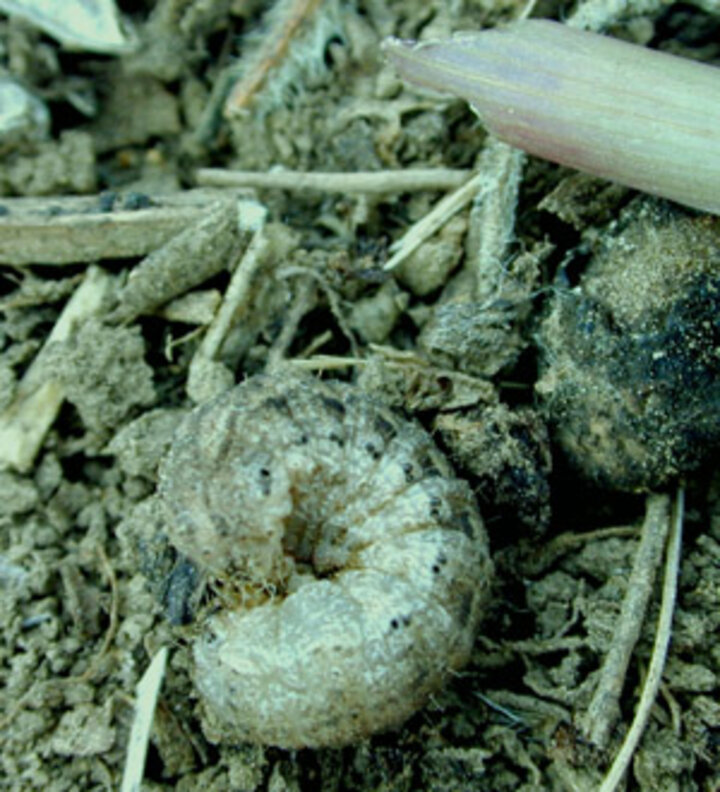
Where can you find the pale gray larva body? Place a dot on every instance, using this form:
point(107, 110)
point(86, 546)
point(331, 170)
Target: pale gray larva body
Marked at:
point(374, 554)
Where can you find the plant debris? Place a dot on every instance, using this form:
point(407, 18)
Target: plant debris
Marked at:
point(557, 335)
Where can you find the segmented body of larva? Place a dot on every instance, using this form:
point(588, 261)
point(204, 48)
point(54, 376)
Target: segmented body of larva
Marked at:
point(362, 562)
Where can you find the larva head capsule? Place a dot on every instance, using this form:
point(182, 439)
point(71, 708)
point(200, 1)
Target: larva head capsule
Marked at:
point(376, 555)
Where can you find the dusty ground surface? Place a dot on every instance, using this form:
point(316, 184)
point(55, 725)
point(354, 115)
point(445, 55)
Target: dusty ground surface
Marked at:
point(559, 469)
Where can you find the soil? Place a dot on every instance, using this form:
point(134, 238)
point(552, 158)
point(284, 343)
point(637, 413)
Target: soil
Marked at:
point(107, 340)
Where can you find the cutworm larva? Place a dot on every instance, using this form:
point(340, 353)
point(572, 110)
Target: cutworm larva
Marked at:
point(352, 564)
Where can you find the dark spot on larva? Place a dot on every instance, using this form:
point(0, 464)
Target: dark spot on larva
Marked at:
point(385, 428)
point(106, 199)
point(136, 200)
point(333, 404)
point(278, 404)
point(435, 504)
point(466, 525)
point(265, 481)
point(335, 438)
point(440, 562)
point(374, 452)
point(408, 472)
point(303, 439)
point(402, 620)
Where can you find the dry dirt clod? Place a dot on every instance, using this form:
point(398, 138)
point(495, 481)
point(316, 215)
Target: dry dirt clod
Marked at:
point(631, 373)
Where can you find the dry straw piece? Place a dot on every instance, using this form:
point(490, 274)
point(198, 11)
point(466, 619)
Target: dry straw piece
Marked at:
point(642, 118)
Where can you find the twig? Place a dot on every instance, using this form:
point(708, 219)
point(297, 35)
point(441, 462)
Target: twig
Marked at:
point(26, 421)
point(203, 365)
point(302, 304)
point(604, 708)
point(659, 655)
point(145, 700)
point(367, 182)
point(114, 609)
point(492, 219)
point(494, 190)
point(197, 253)
point(238, 289)
point(509, 703)
point(315, 343)
point(288, 19)
point(71, 229)
point(514, 719)
point(674, 707)
point(326, 362)
point(331, 296)
point(446, 208)
point(567, 542)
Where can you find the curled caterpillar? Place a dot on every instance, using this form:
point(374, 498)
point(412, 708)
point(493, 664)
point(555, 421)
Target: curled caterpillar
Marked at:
point(353, 564)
